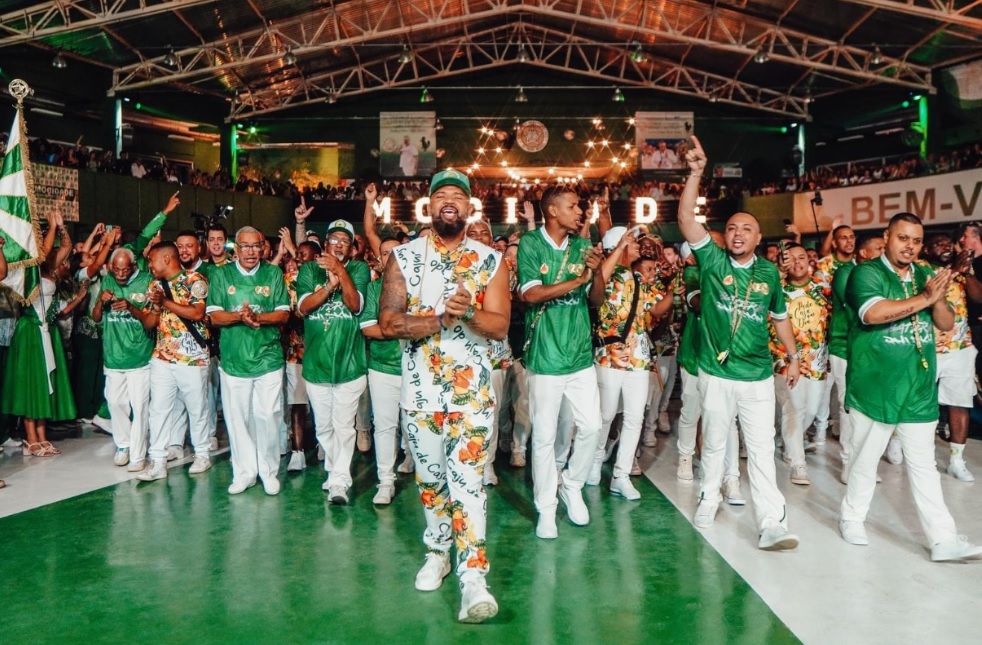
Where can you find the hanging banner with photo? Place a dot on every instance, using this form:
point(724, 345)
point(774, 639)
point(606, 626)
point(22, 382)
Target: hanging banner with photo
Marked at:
point(407, 144)
point(52, 183)
point(662, 139)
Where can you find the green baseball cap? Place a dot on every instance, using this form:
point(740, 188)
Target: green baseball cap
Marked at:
point(450, 177)
point(341, 225)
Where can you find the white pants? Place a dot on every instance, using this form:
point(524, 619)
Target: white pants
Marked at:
point(174, 389)
point(128, 397)
point(824, 409)
point(565, 430)
point(214, 395)
point(253, 414)
point(363, 420)
point(798, 405)
point(385, 390)
point(498, 385)
point(632, 385)
point(546, 395)
point(753, 404)
point(513, 412)
point(296, 387)
point(334, 408)
point(660, 389)
point(838, 367)
point(869, 440)
point(689, 422)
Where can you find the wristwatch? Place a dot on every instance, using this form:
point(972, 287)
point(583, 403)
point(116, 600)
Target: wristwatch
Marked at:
point(795, 357)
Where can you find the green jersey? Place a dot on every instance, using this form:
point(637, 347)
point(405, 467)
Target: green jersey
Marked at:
point(334, 349)
point(205, 269)
point(736, 300)
point(843, 316)
point(560, 336)
point(383, 355)
point(892, 366)
point(688, 355)
point(126, 345)
point(248, 352)
point(139, 244)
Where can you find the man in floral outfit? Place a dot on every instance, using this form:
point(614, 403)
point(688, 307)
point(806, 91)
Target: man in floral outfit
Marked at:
point(445, 295)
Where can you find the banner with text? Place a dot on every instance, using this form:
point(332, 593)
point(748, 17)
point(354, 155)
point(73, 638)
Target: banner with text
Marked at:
point(407, 144)
point(52, 183)
point(662, 140)
point(953, 198)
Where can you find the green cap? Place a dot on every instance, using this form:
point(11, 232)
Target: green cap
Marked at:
point(450, 177)
point(341, 225)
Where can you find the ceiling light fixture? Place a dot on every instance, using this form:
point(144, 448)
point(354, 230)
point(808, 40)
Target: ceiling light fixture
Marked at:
point(289, 58)
point(520, 97)
point(618, 96)
point(425, 97)
point(761, 56)
point(170, 60)
point(638, 54)
point(406, 56)
point(438, 126)
point(523, 55)
point(877, 56)
point(59, 62)
point(332, 97)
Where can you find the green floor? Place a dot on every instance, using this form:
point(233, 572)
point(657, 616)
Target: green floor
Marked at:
point(183, 562)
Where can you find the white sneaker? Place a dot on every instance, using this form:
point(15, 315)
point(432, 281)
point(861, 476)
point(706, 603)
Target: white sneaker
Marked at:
point(853, 532)
point(338, 494)
point(517, 459)
point(490, 479)
point(956, 548)
point(122, 457)
point(777, 538)
point(705, 514)
point(298, 461)
point(575, 507)
point(476, 602)
point(136, 466)
point(213, 444)
point(545, 528)
point(799, 475)
point(958, 470)
point(596, 471)
point(240, 486)
point(895, 453)
point(407, 465)
point(384, 495)
point(650, 440)
point(434, 570)
point(104, 424)
point(201, 464)
point(664, 423)
point(272, 486)
point(684, 471)
point(622, 486)
point(175, 452)
point(732, 493)
point(364, 441)
point(157, 470)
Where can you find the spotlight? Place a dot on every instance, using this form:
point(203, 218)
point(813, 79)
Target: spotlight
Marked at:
point(289, 58)
point(520, 97)
point(406, 56)
point(618, 96)
point(425, 97)
point(332, 97)
point(808, 98)
point(438, 126)
point(170, 60)
point(761, 56)
point(877, 56)
point(523, 56)
point(638, 54)
point(59, 62)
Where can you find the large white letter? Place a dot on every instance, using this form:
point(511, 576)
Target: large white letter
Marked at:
point(478, 210)
point(511, 206)
point(645, 210)
point(383, 210)
point(421, 216)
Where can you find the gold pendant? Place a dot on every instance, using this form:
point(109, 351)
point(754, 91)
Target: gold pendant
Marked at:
point(722, 356)
point(924, 363)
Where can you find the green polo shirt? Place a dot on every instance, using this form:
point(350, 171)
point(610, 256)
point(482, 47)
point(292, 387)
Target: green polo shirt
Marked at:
point(126, 345)
point(384, 356)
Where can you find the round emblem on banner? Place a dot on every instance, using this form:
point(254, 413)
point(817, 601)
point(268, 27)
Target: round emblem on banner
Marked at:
point(532, 136)
point(231, 290)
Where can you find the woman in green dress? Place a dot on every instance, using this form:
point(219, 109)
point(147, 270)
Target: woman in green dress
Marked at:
point(36, 384)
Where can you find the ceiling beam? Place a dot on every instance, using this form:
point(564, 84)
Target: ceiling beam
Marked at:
point(938, 10)
point(496, 48)
point(65, 16)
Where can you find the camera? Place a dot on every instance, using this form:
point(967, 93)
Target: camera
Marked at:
point(202, 222)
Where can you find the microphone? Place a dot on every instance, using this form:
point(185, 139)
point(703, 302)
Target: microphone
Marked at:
point(817, 199)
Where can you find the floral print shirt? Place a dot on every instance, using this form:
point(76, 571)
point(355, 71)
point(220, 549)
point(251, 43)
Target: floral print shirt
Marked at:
point(635, 352)
point(175, 344)
point(809, 307)
point(960, 335)
point(293, 329)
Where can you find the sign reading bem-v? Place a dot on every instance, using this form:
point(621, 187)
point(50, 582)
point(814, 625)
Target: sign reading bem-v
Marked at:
point(407, 144)
point(951, 198)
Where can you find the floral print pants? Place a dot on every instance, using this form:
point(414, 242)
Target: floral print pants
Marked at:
point(450, 450)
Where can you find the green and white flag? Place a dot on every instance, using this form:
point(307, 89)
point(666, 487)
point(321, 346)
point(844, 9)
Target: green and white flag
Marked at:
point(18, 225)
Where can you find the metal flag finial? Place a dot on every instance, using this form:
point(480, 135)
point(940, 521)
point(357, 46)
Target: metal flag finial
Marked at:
point(19, 89)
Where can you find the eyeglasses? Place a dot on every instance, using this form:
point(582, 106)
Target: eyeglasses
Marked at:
point(251, 247)
point(338, 241)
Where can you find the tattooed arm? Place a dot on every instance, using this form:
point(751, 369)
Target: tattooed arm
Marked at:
point(392, 316)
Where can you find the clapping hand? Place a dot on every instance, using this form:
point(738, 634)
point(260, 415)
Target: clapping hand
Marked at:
point(249, 317)
point(456, 305)
point(937, 286)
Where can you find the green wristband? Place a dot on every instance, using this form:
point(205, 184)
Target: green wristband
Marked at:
point(469, 313)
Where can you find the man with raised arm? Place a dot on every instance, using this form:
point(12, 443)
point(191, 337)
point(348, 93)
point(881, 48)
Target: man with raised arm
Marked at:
point(891, 384)
point(447, 296)
point(557, 271)
point(739, 292)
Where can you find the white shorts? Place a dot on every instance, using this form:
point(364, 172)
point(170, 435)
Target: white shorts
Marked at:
point(956, 377)
point(296, 387)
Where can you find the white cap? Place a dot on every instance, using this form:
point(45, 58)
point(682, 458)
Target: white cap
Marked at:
point(612, 237)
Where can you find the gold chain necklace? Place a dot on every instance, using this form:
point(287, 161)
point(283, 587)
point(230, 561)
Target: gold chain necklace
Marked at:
point(739, 311)
point(914, 319)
